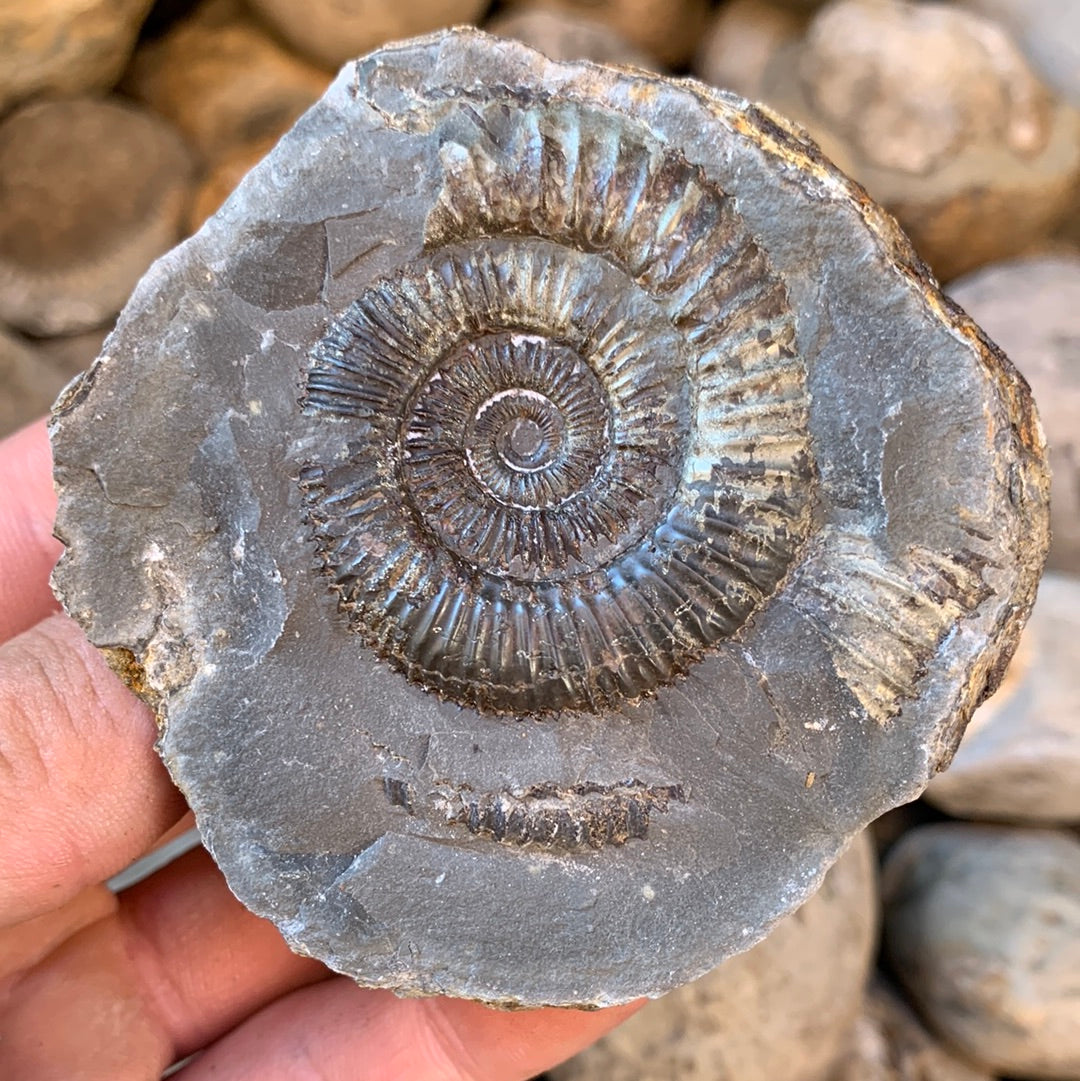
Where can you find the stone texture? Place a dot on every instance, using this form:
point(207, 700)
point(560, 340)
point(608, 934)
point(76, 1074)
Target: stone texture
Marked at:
point(1049, 33)
point(741, 40)
point(1031, 308)
point(667, 29)
point(1020, 758)
point(565, 35)
point(889, 1043)
point(781, 1010)
point(32, 374)
point(221, 181)
point(936, 112)
point(65, 47)
point(330, 32)
point(94, 191)
point(22, 395)
point(223, 81)
point(982, 925)
point(736, 574)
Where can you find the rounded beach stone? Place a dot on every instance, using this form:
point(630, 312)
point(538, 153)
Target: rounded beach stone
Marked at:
point(937, 113)
point(1031, 308)
point(565, 35)
point(740, 42)
point(1019, 760)
point(889, 1043)
point(223, 82)
point(65, 47)
point(781, 1010)
point(94, 191)
point(1049, 33)
point(515, 520)
point(329, 32)
point(670, 30)
point(982, 926)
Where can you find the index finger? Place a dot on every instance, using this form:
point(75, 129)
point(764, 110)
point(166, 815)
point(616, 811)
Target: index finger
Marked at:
point(28, 549)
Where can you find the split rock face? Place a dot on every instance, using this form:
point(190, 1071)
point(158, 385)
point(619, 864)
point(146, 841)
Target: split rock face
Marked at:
point(550, 514)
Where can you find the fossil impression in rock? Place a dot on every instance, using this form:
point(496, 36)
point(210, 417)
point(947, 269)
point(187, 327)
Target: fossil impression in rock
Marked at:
point(550, 515)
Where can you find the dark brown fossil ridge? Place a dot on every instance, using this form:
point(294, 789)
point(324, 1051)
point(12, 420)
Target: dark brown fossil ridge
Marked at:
point(554, 485)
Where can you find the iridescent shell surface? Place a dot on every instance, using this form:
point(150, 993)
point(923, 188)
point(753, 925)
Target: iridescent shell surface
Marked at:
point(551, 512)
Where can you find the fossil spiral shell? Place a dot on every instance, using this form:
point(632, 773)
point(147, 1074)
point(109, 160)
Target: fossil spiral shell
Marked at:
point(551, 513)
point(577, 421)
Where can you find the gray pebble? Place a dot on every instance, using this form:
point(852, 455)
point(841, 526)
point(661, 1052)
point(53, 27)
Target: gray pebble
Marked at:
point(982, 926)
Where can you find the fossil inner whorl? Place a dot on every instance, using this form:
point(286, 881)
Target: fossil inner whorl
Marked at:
point(574, 452)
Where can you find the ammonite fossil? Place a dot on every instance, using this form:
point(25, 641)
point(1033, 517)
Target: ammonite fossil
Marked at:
point(550, 511)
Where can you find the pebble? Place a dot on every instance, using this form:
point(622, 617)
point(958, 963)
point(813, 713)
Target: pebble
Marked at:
point(329, 32)
point(565, 35)
point(1049, 33)
point(670, 30)
point(223, 81)
point(782, 1010)
point(1031, 308)
point(94, 191)
point(741, 40)
point(65, 47)
point(889, 1043)
point(937, 113)
point(982, 927)
point(1020, 757)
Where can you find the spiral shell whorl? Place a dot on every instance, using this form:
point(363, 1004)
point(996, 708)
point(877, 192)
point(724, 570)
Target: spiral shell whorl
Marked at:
point(575, 435)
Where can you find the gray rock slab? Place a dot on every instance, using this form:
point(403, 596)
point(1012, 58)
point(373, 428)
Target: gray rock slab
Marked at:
point(550, 514)
point(982, 926)
point(1019, 760)
point(781, 1010)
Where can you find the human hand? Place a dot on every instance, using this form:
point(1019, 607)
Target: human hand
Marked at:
point(101, 986)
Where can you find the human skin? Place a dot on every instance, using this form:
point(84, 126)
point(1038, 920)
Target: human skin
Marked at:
point(101, 986)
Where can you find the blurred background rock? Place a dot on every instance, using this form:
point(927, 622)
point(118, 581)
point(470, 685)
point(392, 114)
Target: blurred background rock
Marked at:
point(124, 124)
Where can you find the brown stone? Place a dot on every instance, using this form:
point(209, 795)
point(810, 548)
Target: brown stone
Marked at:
point(937, 113)
point(565, 35)
point(223, 81)
point(740, 42)
point(330, 32)
point(1049, 33)
point(667, 29)
point(889, 1043)
point(781, 1010)
point(64, 47)
point(94, 191)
